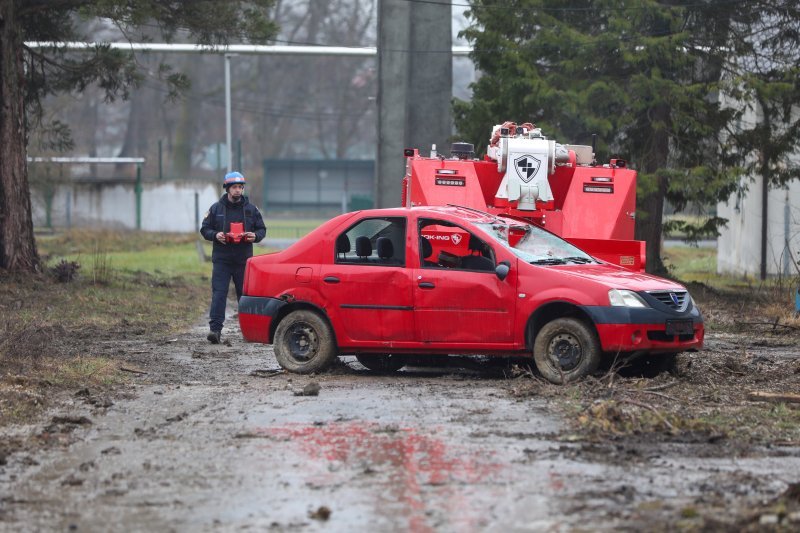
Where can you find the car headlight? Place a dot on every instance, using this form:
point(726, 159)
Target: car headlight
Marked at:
point(624, 298)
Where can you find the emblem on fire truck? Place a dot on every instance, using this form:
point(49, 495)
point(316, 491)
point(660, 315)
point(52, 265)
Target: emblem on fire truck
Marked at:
point(527, 166)
point(456, 238)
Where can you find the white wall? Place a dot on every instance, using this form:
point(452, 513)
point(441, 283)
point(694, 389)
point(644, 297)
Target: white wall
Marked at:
point(739, 244)
point(165, 206)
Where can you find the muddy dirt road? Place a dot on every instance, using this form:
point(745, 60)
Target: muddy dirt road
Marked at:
point(210, 439)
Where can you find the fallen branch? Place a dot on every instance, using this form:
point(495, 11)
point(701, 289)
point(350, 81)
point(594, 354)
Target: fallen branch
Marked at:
point(667, 396)
point(131, 370)
point(251, 435)
point(266, 373)
point(650, 408)
point(757, 396)
point(661, 387)
point(773, 325)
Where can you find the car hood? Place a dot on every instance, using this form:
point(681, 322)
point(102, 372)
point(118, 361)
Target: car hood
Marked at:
point(615, 277)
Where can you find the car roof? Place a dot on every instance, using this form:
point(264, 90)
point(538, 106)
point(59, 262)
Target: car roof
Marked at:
point(472, 215)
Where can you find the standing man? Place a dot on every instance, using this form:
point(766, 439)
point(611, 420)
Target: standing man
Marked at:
point(231, 251)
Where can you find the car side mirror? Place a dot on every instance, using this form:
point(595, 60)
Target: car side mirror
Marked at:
point(502, 270)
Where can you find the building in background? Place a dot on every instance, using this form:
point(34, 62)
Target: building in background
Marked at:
point(762, 236)
point(739, 247)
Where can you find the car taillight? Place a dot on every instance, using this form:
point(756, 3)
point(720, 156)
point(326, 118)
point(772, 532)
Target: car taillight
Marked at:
point(246, 277)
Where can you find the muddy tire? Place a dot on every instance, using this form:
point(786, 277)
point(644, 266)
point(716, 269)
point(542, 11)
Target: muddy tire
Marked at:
point(384, 363)
point(304, 342)
point(566, 350)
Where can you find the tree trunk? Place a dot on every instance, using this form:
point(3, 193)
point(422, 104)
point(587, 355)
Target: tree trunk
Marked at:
point(17, 244)
point(650, 229)
point(184, 136)
point(134, 130)
point(650, 226)
point(187, 126)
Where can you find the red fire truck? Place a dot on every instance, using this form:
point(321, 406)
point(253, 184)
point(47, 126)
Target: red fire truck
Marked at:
point(525, 175)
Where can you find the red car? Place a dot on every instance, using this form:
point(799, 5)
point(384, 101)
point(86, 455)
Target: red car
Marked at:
point(385, 284)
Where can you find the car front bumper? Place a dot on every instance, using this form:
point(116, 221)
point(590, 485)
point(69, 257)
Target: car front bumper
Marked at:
point(624, 329)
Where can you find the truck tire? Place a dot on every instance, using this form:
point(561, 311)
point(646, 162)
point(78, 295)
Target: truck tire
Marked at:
point(304, 342)
point(566, 350)
point(384, 363)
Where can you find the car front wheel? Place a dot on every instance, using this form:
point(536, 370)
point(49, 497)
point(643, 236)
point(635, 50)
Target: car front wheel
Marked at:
point(566, 350)
point(304, 342)
point(382, 363)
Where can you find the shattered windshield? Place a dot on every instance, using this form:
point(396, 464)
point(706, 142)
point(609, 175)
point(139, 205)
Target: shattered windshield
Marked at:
point(534, 245)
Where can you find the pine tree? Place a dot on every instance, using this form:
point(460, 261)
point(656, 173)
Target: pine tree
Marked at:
point(664, 84)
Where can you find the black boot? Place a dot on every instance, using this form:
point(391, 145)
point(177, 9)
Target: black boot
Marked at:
point(214, 336)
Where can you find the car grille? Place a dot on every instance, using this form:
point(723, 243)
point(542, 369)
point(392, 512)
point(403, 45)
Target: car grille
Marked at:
point(679, 303)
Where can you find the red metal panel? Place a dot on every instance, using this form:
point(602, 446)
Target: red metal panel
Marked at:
point(591, 203)
point(633, 337)
point(628, 254)
point(255, 328)
point(463, 307)
point(369, 302)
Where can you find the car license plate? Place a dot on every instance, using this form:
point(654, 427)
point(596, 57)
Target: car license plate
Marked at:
point(679, 327)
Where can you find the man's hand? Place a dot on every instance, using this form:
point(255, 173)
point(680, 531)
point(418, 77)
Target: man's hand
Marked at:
point(220, 237)
point(250, 236)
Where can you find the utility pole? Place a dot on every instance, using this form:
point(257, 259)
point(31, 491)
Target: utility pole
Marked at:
point(228, 134)
point(415, 86)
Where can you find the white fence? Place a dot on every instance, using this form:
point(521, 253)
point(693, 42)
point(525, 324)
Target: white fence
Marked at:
point(174, 206)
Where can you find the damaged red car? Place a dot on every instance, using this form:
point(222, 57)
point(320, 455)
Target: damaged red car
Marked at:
point(385, 285)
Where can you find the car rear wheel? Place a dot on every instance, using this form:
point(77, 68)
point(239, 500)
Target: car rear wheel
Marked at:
point(565, 350)
point(304, 342)
point(382, 362)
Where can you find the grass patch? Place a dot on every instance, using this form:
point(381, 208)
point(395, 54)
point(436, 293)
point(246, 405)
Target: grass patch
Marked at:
point(730, 303)
point(81, 371)
point(157, 254)
point(691, 263)
point(745, 422)
point(128, 303)
point(703, 400)
point(291, 228)
point(54, 334)
point(86, 241)
point(28, 385)
point(304, 224)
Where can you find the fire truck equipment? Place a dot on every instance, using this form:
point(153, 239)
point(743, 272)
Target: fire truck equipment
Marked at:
point(526, 175)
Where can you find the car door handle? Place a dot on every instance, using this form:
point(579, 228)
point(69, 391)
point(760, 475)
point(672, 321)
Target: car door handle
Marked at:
point(330, 279)
point(426, 285)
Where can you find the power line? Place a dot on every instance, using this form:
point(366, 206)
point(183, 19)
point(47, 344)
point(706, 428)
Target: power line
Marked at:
point(718, 3)
point(253, 107)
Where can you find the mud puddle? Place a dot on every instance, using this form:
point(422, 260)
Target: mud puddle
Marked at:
point(213, 438)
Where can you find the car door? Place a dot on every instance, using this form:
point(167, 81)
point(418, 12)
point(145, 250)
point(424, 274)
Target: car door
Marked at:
point(459, 301)
point(367, 291)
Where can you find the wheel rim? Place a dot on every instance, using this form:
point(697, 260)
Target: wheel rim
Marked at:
point(303, 341)
point(565, 351)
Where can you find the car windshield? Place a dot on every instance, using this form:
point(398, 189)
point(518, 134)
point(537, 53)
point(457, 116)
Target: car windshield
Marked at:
point(534, 245)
